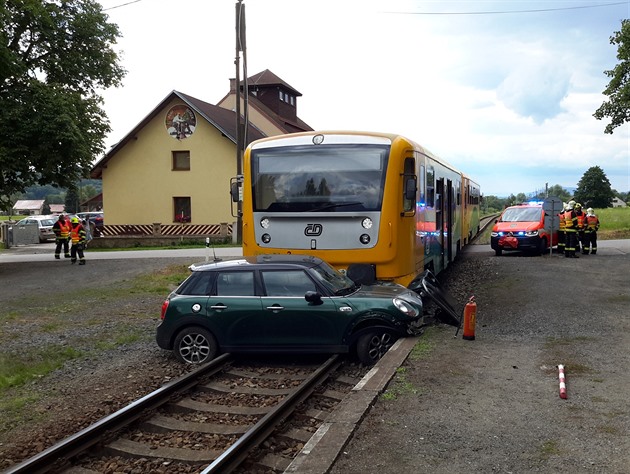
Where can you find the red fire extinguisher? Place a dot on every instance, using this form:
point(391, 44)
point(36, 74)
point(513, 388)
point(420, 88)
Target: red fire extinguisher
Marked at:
point(470, 315)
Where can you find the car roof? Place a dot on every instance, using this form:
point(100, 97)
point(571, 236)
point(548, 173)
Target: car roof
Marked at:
point(38, 217)
point(277, 261)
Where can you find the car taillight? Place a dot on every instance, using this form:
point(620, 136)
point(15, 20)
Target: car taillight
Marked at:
point(164, 308)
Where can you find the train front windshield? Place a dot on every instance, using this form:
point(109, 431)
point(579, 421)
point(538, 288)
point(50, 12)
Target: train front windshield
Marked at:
point(328, 178)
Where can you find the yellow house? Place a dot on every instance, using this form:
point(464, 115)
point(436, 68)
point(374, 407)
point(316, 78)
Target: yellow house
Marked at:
point(174, 168)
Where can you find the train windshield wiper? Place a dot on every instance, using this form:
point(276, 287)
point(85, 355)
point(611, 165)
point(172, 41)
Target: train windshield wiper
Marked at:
point(333, 205)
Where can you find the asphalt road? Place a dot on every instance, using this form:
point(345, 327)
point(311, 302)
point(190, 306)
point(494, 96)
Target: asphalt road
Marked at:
point(44, 252)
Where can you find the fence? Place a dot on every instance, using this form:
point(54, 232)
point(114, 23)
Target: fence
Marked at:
point(129, 235)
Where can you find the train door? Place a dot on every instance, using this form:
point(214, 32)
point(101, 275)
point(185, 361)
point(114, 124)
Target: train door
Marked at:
point(439, 220)
point(449, 227)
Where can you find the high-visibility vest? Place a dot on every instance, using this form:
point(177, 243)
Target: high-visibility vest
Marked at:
point(570, 221)
point(581, 217)
point(78, 234)
point(561, 223)
point(592, 223)
point(64, 229)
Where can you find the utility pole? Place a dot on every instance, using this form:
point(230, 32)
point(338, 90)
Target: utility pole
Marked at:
point(241, 120)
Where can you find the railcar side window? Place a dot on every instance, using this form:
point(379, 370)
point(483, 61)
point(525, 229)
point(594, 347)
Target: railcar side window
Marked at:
point(409, 204)
point(421, 184)
point(430, 186)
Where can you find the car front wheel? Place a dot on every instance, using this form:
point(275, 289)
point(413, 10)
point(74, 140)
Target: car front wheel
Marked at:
point(195, 345)
point(373, 345)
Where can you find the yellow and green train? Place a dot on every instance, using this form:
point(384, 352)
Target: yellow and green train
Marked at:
point(376, 205)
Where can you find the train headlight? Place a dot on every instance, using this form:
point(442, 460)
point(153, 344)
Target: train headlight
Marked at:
point(366, 223)
point(264, 223)
point(266, 238)
point(364, 239)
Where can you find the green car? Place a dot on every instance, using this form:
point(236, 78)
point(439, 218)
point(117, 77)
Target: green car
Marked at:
point(283, 304)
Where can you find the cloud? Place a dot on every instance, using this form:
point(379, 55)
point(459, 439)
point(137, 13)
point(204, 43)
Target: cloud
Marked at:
point(535, 90)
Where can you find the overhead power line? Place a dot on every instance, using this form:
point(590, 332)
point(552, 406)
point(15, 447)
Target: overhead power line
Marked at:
point(121, 5)
point(500, 12)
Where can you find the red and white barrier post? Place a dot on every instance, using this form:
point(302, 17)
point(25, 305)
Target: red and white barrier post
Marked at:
point(563, 385)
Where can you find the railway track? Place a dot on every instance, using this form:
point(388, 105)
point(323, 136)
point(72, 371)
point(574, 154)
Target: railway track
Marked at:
point(226, 416)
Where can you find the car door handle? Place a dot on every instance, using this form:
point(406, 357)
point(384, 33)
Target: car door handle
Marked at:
point(275, 307)
point(218, 306)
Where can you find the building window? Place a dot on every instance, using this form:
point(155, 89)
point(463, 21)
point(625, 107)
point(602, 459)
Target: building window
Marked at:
point(181, 209)
point(181, 161)
point(292, 100)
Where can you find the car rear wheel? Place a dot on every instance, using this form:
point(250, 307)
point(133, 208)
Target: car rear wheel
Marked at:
point(373, 345)
point(195, 345)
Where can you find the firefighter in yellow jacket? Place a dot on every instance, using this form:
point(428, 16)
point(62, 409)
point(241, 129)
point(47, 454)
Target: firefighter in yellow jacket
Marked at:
point(78, 241)
point(62, 228)
point(590, 232)
point(561, 232)
point(571, 231)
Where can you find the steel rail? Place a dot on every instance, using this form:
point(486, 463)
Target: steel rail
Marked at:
point(236, 454)
point(84, 439)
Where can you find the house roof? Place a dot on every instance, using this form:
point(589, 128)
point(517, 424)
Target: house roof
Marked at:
point(268, 78)
point(223, 119)
point(28, 205)
point(57, 208)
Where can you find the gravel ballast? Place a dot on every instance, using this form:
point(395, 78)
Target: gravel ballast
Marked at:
point(488, 405)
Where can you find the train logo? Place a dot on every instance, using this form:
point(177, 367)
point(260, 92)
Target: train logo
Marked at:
point(313, 230)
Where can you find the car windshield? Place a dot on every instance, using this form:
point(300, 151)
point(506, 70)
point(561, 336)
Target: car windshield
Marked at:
point(331, 178)
point(47, 222)
point(521, 214)
point(334, 281)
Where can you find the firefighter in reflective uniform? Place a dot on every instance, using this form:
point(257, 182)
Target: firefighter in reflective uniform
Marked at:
point(581, 225)
point(62, 228)
point(590, 232)
point(561, 232)
point(78, 241)
point(571, 231)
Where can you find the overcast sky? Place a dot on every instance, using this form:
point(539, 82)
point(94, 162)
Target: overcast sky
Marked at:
point(503, 90)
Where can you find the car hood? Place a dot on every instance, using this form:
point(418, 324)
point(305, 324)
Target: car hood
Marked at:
point(515, 226)
point(387, 290)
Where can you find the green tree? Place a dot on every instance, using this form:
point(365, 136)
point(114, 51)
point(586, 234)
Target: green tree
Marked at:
point(72, 201)
point(55, 56)
point(557, 191)
point(618, 89)
point(593, 189)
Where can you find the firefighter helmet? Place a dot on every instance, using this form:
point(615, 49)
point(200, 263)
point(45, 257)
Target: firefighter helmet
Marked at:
point(590, 211)
point(578, 205)
point(74, 220)
point(570, 204)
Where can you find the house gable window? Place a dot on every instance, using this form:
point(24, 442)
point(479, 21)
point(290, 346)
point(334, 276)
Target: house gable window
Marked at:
point(181, 161)
point(182, 209)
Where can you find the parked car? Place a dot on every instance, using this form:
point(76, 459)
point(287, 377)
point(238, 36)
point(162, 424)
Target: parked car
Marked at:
point(45, 225)
point(95, 219)
point(523, 227)
point(283, 303)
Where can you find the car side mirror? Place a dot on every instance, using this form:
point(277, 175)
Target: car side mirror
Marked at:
point(234, 192)
point(313, 297)
point(410, 189)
